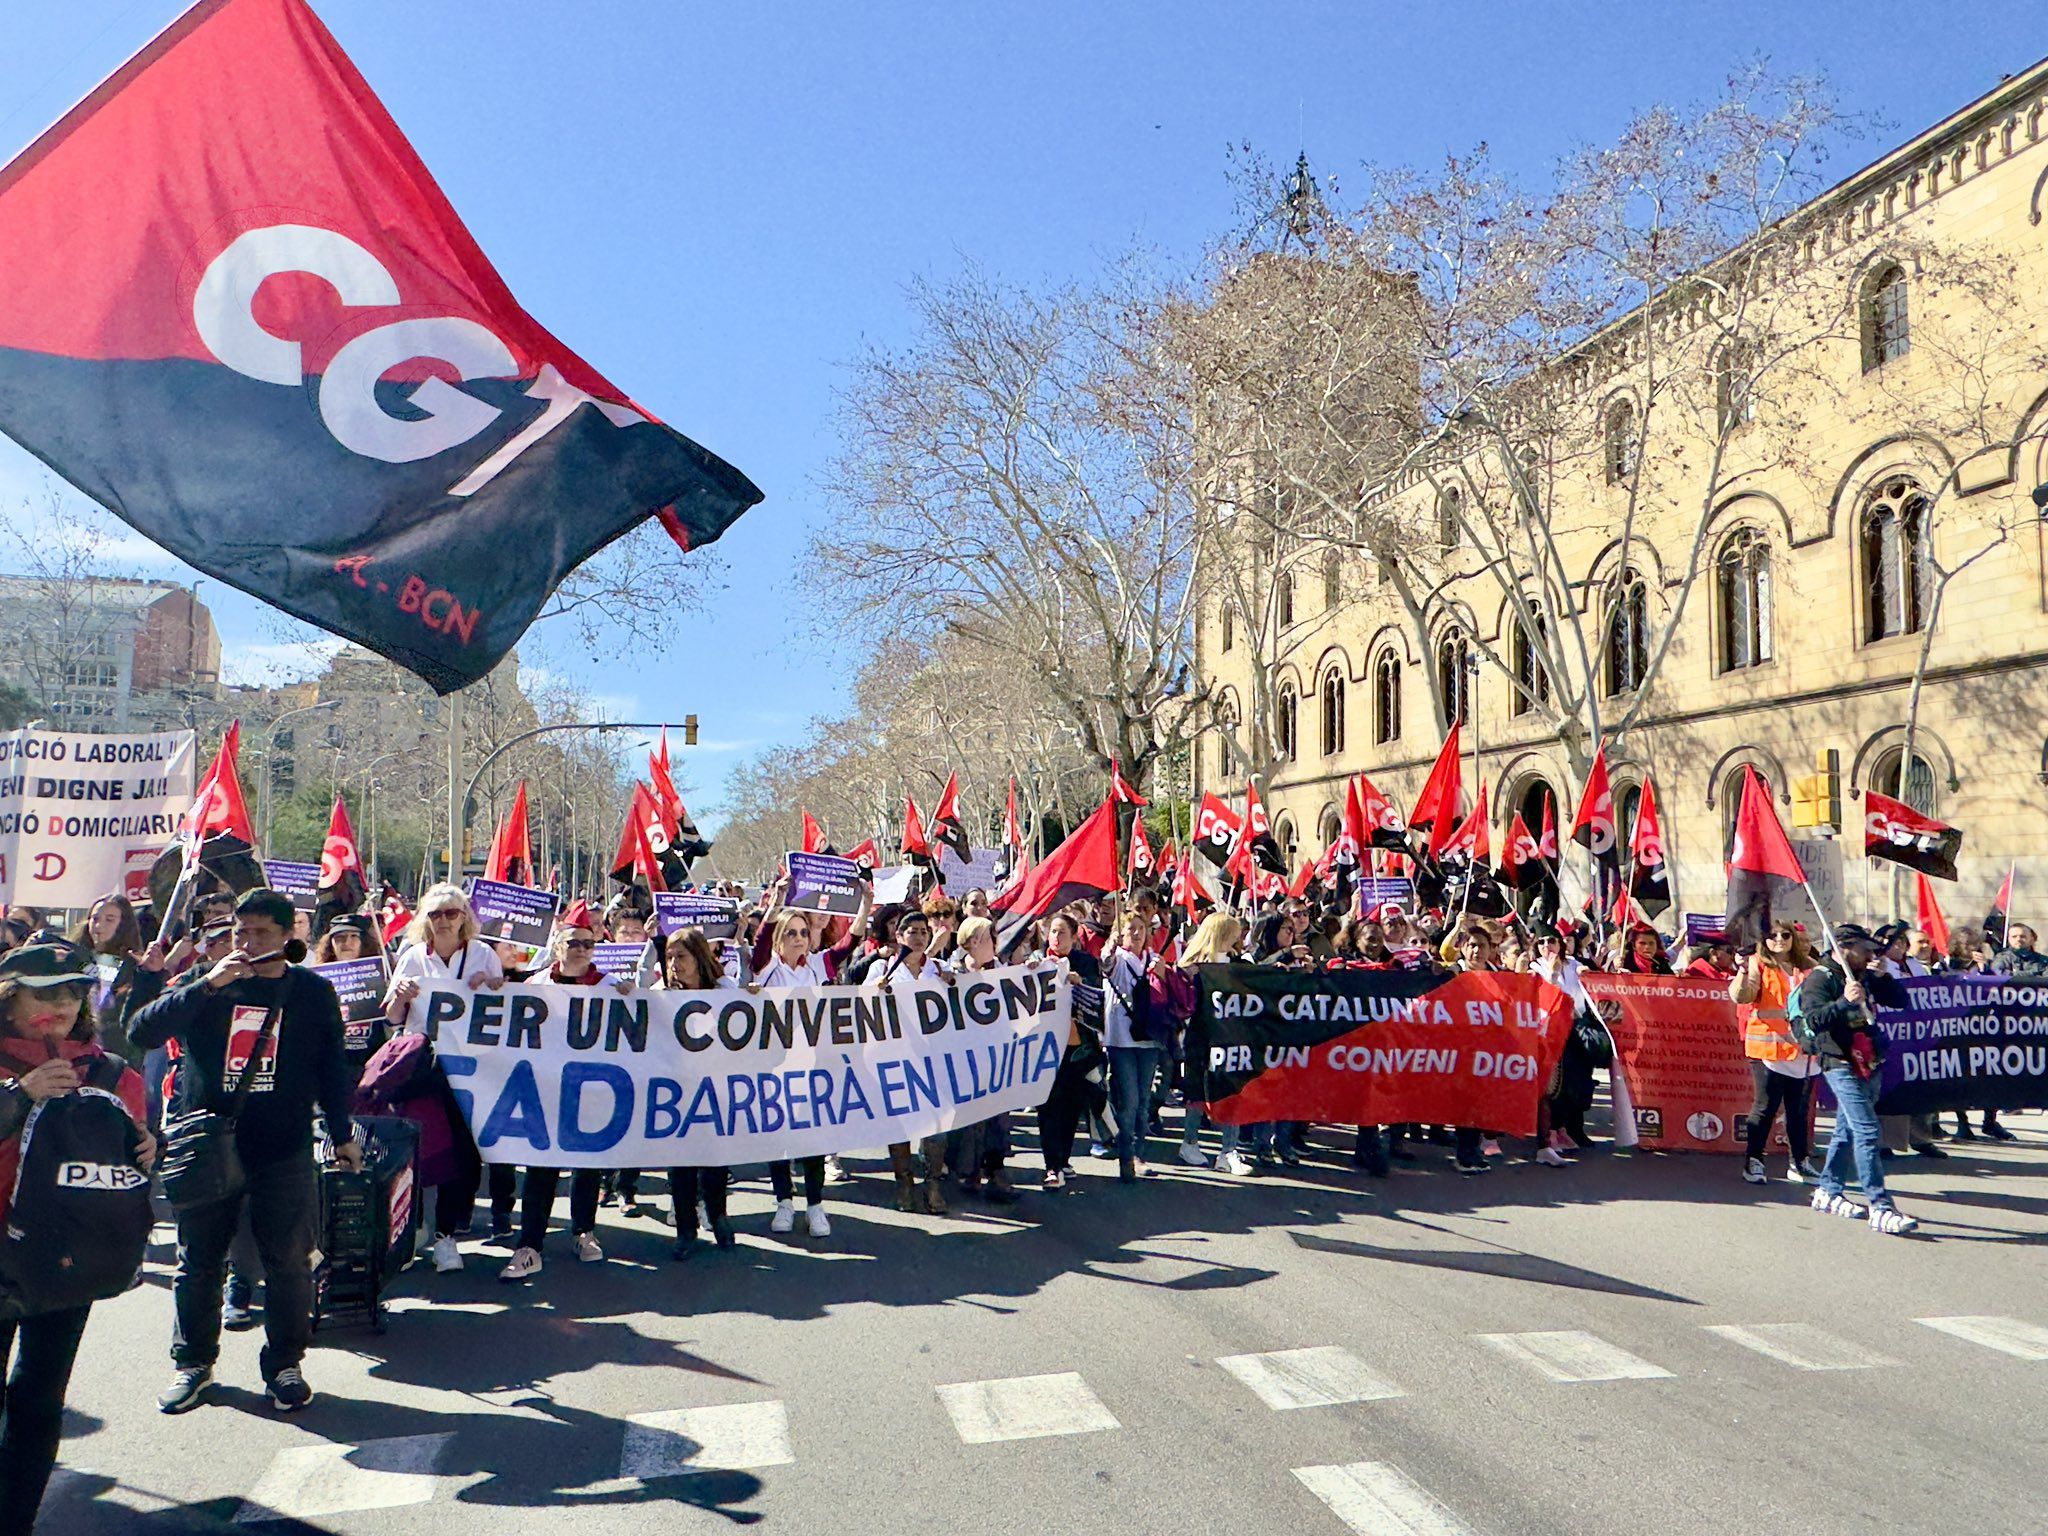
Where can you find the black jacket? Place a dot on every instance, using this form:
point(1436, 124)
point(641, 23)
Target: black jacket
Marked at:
point(2020, 962)
point(310, 1069)
point(1835, 1020)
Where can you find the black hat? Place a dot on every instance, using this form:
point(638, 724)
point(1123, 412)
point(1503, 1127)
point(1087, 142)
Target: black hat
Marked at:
point(354, 922)
point(1855, 933)
point(1890, 933)
point(46, 965)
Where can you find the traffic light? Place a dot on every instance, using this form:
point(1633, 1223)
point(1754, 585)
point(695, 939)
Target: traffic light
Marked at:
point(1817, 801)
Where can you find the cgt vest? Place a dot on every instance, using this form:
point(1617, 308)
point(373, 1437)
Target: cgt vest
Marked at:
point(1766, 1030)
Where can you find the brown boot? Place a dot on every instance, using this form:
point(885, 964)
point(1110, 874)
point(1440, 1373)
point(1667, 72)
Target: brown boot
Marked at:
point(934, 1197)
point(906, 1192)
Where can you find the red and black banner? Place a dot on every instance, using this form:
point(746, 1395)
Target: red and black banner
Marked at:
point(1374, 1047)
point(239, 313)
point(1893, 830)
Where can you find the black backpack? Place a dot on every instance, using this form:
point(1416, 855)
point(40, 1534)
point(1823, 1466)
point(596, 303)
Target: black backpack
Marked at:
point(79, 1222)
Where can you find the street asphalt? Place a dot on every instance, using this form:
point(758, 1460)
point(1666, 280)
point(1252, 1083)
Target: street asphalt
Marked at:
point(1638, 1343)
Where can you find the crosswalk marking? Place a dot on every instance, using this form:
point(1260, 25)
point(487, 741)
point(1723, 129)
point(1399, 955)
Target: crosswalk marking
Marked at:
point(1309, 1378)
point(1377, 1499)
point(1025, 1408)
point(1573, 1356)
point(310, 1481)
point(732, 1437)
point(1801, 1346)
point(2007, 1335)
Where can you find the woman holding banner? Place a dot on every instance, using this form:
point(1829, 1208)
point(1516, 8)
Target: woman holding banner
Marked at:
point(1783, 1074)
point(1133, 1026)
point(794, 965)
point(913, 959)
point(1077, 1085)
point(441, 945)
point(689, 965)
point(1215, 942)
point(573, 946)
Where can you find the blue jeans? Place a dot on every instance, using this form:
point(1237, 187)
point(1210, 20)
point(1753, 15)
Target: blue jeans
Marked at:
point(1857, 1137)
point(1130, 1088)
point(1191, 1130)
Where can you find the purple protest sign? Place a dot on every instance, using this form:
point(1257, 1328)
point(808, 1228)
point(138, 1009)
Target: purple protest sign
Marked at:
point(718, 916)
point(1965, 1042)
point(824, 882)
point(1706, 928)
point(513, 914)
point(289, 877)
point(617, 959)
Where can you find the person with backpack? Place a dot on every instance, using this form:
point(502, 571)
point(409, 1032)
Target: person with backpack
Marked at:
point(1133, 1033)
point(1832, 1018)
point(68, 1242)
point(260, 1048)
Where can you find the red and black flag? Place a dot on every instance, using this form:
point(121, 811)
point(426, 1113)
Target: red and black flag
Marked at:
point(1472, 840)
point(511, 845)
point(1169, 859)
point(1521, 865)
point(1142, 861)
point(1997, 919)
point(1216, 829)
point(1383, 826)
point(814, 835)
point(916, 846)
point(1763, 871)
point(1650, 871)
point(1258, 835)
point(1442, 800)
point(342, 881)
point(1893, 830)
point(1932, 923)
point(1593, 827)
point(1120, 787)
point(946, 828)
point(1187, 888)
point(636, 858)
point(240, 314)
point(1080, 869)
point(867, 856)
point(673, 834)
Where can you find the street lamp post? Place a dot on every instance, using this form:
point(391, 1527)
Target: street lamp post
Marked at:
point(269, 746)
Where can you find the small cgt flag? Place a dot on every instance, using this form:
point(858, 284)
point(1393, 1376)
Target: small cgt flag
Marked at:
point(240, 314)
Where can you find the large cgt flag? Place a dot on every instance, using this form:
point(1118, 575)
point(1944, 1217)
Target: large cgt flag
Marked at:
point(1763, 871)
point(1893, 830)
point(1649, 869)
point(238, 312)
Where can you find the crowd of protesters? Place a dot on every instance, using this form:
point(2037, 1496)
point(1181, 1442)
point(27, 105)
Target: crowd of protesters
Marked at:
point(170, 1019)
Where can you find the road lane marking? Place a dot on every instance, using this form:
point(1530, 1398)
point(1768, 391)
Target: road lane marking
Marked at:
point(1025, 1408)
point(2007, 1335)
point(1801, 1346)
point(1309, 1378)
point(1573, 1356)
point(732, 1437)
point(1375, 1498)
point(308, 1482)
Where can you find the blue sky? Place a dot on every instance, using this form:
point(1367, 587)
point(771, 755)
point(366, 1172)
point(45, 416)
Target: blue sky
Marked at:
point(718, 204)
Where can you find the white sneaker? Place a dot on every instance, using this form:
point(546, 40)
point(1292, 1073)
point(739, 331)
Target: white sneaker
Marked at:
point(784, 1219)
point(1794, 1174)
point(834, 1174)
point(1753, 1171)
point(1236, 1164)
point(703, 1217)
point(525, 1264)
point(447, 1257)
point(587, 1251)
point(1550, 1157)
point(814, 1217)
point(1193, 1155)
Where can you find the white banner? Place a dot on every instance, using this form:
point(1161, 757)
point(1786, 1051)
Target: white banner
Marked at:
point(84, 815)
point(581, 1077)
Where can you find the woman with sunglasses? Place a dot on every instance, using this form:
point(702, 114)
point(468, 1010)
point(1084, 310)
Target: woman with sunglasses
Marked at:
point(47, 1049)
point(441, 945)
point(574, 947)
point(690, 965)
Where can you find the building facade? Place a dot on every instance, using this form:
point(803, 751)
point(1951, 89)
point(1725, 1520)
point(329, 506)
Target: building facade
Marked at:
point(1803, 596)
point(105, 654)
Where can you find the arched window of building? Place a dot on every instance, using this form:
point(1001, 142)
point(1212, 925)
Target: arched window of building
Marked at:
point(1333, 579)
point(1226, 724)
point(1333, 712)
point(1286, 598)
point(1742, 572)
point(1454, 674)
point(1229, 626)
point(1628, 633)
point(1329, 826)
point(1628, 799)
point(1386, 699)
point(1734, 401)
point(1886, 334)
point(1889, 777)
point(1532, 677)
point(1286, 718)
point(1447, 506)
point(1623, 442)
point(1896, 552)
point(1284, 835)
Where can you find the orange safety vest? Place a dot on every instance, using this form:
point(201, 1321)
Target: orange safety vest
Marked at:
point(1766, 1031)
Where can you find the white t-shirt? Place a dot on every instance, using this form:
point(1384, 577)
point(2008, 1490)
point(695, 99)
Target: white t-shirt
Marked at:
point(780, 974)
point(888, 973)
point(421, 963)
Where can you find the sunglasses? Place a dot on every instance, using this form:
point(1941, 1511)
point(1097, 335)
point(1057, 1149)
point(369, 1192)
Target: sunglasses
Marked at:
point(579, 944)
point(440, 912)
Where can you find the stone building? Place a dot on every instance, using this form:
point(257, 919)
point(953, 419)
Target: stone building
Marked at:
point(1803, 594)
point(109, 654)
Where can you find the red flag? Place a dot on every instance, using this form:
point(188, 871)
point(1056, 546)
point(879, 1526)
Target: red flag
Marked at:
point(1547, 843)
point(1381, 822)
point(1651, 882)
point(1472, 840)
point(1169, 858)
point(2000, 915)
point(814, 835)
point(1522, 865)
point(1593, 827)
point(636, 854)
point(1763, 870)
point(221, 301)
point(668, 804)
point(1895, 831)
point(1264, 848)
point(1443, 792)
point(1013, 835)
point(396, 915)
point(339, 861)
point(867, 855)
point(1216, 829)
point(217, 807)
point(915, 843)
point(1080, 869)
point(511, 845)
point(946, 826)
point(1187, 889)
point(1932, 923)
point(1120, 787)
point(1298, 887)
point(1142, 862)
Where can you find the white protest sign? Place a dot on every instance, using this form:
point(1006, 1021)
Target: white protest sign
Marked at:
point(84, 815)
point(576, 1077)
